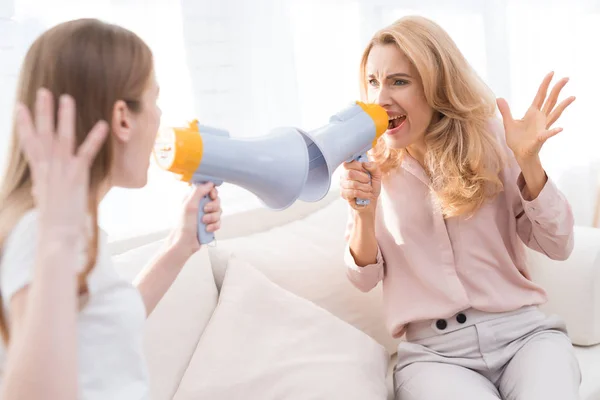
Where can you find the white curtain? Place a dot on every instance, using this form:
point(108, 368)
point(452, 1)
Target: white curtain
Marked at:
point(250, 66)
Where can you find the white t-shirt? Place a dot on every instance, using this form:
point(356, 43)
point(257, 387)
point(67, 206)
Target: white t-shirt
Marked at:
point(110, 325)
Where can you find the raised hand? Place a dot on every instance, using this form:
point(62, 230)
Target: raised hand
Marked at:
point(60, 173)
point(526, 136)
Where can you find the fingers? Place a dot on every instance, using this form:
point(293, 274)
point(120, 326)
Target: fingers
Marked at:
point(212, 218)
point(557, 112)
point(538, 101)
point(214, 194)
point(553, 98)
point(353, 165)
point(356, 185)
point(45, 126)
point(31, 146)
point(355, 182)
point(199, 192)
point(373, 169)
point(352, 194)
point(213, 206)
point(213, 227)
point(66, 125)
point(213, 211)
point(26, 133)
point(355, 175)
point(542, 137)
point(44, 117)
point(92, 143)
point(504, 109)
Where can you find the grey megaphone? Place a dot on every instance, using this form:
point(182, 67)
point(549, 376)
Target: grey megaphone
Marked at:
point(348, 136)
point(273, 167)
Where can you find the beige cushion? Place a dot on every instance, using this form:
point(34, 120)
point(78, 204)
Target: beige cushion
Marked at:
point(262, 219)
point(264, 342)
point(573, 285)
point(176, 324)
point(306, 258)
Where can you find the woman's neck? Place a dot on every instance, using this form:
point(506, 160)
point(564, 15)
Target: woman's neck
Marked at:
point(417, 151)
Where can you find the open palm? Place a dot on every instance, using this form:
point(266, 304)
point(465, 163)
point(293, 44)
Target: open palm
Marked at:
point(526, 136)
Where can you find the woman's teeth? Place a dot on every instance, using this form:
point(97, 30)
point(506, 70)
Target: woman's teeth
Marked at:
point(395, 121)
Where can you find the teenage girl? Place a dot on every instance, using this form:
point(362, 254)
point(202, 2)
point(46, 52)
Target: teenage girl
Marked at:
point(72, 327)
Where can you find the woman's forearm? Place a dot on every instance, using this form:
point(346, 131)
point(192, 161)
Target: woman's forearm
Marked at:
point(534, 176)
point(362, 241)
point(42, 353)
point(158, 276)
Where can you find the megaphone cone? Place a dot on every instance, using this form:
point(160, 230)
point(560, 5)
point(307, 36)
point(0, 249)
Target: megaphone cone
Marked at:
point(273, 167)
point(348, 136)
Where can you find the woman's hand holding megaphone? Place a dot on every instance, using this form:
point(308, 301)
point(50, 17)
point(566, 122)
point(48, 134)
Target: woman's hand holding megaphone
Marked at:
point(355, 183)
point(184, 237)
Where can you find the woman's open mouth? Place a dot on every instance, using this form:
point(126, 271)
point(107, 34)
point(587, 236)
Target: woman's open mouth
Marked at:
point(395, 123)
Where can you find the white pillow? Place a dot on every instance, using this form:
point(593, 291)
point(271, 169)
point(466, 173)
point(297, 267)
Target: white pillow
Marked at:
point(305, 257)
point(173, 329)
point(285, 348)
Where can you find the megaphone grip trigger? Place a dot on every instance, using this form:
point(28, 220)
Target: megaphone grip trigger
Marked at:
point(204, 237)
point(363, 202)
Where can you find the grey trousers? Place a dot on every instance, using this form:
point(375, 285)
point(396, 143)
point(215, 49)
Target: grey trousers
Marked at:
point(518, 355)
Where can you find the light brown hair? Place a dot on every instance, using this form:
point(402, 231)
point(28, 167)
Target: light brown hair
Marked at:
point(463, 157)
point(97, 64)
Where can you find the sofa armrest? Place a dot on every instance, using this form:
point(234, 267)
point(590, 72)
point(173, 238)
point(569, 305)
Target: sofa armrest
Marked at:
point(573, 286)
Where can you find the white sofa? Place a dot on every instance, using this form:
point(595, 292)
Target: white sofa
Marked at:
point(268, 313)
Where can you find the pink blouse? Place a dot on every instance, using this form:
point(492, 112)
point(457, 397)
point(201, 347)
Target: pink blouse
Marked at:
point(433, 268)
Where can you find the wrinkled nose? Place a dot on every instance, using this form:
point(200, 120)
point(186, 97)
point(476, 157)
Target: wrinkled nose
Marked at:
point(383, 98)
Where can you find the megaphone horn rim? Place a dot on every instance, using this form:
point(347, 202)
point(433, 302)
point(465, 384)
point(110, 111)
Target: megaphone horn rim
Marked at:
point(326, 184)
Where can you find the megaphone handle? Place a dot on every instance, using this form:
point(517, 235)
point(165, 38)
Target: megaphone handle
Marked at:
point(204, 237)
point(363, 158)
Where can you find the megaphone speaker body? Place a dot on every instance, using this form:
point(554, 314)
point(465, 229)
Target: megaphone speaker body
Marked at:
point(348, 136)
point(273, 167)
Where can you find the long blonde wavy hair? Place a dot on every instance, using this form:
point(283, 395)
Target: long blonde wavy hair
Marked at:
point(97, 64)
point(463, 157)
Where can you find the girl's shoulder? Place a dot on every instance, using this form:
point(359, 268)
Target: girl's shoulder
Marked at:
point(17, 258)
point(24, 233)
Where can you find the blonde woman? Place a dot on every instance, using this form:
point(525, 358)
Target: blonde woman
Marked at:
point(456, 194)
point(71, 326)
